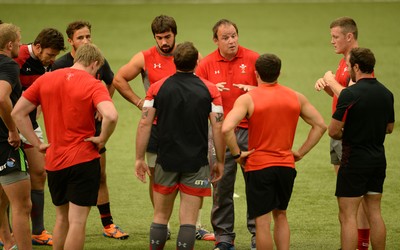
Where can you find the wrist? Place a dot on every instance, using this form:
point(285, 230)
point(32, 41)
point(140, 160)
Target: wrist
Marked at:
point(139, 102)
point(237, 156)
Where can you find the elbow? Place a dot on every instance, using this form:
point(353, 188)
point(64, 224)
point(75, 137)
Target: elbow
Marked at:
point(323, 128)
point(116, 83)
point(389, 128)
point(114, 118)
point(111, 117)
point(14, 115)
point(224, 130)
point(335, 135)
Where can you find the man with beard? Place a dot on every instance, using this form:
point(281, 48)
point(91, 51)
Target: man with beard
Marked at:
point(153, 64)
point(34, 60)
point(364, 115)
point(79, 33)
point(184, 105)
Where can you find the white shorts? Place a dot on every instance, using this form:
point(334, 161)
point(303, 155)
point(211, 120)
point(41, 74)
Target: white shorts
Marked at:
point(151, 159)
point(39, 134)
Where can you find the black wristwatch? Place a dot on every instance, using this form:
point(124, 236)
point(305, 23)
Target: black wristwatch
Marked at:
point(237, 156)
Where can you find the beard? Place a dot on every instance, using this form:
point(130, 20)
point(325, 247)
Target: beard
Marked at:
point(352, 75)
point(167, 49)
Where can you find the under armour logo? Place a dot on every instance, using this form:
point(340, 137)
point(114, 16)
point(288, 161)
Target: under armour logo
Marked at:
point(184, 245)
point(155, 242)
point(216, 72)
point(157, 65)
point(243, 67)
point(28, 69)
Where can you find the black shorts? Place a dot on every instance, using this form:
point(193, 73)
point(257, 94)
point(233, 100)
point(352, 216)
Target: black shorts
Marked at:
point(268, 189)
point(78, 184)
point(355, 182)
point(152, 147)
point(97, 133)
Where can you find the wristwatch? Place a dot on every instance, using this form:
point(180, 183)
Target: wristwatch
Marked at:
point(237, 156)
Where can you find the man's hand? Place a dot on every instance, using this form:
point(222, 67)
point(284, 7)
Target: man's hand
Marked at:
point(221, 86)
point(243, 157)
point(141, 169)
point(97, 141)
point(216, 172)
point(98, 116)
point(320, 84)
point(244, 87)
point(297, 156)
point(13, 139)
point(43, 147)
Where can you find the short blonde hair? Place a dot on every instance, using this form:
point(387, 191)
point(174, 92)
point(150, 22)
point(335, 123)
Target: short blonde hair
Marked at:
point(87, 54)
point(8, 33)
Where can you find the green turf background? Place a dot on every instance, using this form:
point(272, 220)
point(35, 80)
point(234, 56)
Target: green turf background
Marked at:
point(299, 34)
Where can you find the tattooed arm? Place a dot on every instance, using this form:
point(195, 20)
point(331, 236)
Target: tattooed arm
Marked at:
point(216, 119)
point(142, 139)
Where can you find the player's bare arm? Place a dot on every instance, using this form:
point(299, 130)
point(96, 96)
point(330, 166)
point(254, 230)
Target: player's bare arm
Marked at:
point(216, 120)
point(142, 139)
point(318, 127)
point(330, 79)
point(127, 73)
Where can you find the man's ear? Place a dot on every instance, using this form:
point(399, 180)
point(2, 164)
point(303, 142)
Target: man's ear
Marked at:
point(10, 45)
point(349, 36)
point(70, 41)
point(215, 40)
point(38, 47)
point(356, 67)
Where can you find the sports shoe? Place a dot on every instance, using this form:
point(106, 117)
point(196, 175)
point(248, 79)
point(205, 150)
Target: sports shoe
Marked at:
point(224, 246)
point(45, 238)
point(204, 234)
point(115, 232)
point(253, 242)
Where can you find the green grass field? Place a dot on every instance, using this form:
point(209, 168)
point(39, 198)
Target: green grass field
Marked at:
point(299, 34)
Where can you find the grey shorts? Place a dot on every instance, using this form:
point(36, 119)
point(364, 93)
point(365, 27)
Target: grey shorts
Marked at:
point(196, 184)
point(336, 151)
point(13, 177)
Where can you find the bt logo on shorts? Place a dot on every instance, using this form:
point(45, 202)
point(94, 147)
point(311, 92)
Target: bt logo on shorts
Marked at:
point(201, 182)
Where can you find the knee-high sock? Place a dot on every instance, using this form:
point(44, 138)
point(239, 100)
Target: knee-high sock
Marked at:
point(186, 237)
point(363, 239)
point(105, 214)
point(37, 197)
point(158, 236)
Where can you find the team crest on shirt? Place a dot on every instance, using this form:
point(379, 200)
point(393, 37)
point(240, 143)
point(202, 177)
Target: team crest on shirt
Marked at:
point(157, 65)
point(243, 68)
point(344, 71)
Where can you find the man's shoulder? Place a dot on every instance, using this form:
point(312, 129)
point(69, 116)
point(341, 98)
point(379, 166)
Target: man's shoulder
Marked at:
point(150, 51)
point(248, 52)
point(7, 61)
point(64, 61)
point(23, 54)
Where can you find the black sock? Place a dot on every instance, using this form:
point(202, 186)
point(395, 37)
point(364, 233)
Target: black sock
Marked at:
point(105, 214)
point(158, 236)
point(37, 198)
point(186, 237)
